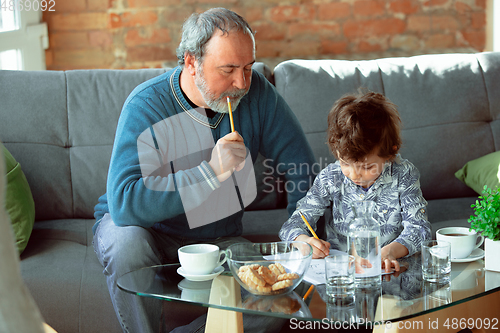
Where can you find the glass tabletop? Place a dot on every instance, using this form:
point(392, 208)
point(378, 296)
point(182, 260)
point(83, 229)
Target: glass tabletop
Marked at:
point(400, 296)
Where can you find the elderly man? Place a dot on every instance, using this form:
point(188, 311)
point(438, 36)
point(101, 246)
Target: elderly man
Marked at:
point(174, 147)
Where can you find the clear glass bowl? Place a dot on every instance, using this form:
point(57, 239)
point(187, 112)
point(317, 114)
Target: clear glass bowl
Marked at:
point(292, 258)
point(287, 304)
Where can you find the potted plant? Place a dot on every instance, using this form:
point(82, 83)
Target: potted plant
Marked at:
point(486, 221)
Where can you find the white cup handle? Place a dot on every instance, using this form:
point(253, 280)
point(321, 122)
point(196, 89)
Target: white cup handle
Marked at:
point(480, 243)
point(222, 252)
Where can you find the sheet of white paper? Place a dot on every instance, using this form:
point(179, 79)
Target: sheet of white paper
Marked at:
point(316, 272)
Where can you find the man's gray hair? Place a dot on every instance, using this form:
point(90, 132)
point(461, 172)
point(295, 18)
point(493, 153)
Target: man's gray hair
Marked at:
point(199, 28)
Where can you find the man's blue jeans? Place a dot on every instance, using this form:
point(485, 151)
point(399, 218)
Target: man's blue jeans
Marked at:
point(123, 249)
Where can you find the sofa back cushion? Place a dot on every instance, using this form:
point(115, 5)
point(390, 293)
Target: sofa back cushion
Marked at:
point(449, 105)
point(60, 127)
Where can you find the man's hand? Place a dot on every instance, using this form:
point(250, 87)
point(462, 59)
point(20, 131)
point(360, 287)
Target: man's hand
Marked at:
point(320, 247)
point(228, 155)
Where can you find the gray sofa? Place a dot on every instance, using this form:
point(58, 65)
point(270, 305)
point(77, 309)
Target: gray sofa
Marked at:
point(60, 126)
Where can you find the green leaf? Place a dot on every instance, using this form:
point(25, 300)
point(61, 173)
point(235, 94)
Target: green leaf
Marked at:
point(486, 218)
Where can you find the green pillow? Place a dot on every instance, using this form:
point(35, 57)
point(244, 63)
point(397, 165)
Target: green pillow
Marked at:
point(18, 201)
point(481, 171)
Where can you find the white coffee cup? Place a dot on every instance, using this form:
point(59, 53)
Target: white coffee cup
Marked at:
point(200, 259)
point(462, 240)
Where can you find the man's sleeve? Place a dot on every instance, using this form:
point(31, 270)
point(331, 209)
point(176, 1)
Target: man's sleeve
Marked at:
point(141, 188)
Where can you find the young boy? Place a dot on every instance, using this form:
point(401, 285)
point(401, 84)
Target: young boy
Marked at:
point(364, 136)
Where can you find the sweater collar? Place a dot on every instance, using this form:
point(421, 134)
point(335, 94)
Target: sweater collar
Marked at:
point(198, 116)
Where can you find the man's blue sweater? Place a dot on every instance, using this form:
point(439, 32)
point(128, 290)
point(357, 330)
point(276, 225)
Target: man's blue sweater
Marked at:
point(263, 119)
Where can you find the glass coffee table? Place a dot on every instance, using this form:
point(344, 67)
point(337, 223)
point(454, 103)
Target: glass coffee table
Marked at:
point(403, 302)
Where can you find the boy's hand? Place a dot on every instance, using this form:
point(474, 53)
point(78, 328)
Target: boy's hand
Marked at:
point(396, 273)
point(320, 247)
point(360, 264)
point(390, 253)
point(388, 261)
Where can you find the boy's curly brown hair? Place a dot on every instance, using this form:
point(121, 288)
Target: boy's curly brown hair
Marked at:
point(360, 123)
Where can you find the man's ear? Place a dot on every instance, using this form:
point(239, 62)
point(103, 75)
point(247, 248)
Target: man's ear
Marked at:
point(189, 63)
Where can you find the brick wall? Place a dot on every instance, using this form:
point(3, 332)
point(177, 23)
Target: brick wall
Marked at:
point(145, 33)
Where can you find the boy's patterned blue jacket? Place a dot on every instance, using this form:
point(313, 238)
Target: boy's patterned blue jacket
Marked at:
point(400, 206)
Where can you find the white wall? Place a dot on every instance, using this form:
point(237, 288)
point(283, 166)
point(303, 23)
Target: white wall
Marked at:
point(496, 25)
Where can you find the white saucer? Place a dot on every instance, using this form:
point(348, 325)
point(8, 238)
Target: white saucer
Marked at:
point(475, 255)
point(203, 277)
point(186, 284)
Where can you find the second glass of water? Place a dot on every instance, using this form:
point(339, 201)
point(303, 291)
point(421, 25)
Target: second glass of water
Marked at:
point(436, 260)
point(339, 275)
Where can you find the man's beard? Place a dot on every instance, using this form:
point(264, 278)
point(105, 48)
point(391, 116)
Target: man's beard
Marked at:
point(217, 104)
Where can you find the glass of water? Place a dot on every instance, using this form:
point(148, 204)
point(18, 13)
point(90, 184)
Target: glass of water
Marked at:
point(341, 309)
point(339, 275)
point(436, 260)
point(436, 294)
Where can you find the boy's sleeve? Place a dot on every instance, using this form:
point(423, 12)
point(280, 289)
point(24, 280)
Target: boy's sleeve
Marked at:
point(416, 226)
point(312, 206)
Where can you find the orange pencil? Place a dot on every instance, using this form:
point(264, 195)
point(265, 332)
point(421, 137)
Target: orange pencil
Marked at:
point(308, 225)
point(308, 292)
point(230, 113)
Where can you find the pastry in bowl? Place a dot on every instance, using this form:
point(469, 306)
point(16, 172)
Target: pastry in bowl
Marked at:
point(269, 268)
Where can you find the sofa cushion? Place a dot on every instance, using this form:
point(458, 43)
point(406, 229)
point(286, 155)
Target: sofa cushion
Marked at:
point(443, 210)
point(19, 202)
point(270, 192)
point(264, 222)
point(449, 105)
point(481, 171)
point(65, 278)
point(34, 128)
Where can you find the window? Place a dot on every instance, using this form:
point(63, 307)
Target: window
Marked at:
point(23, 38)
point(9, 20)
point(492, 25)
point(11, 59)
